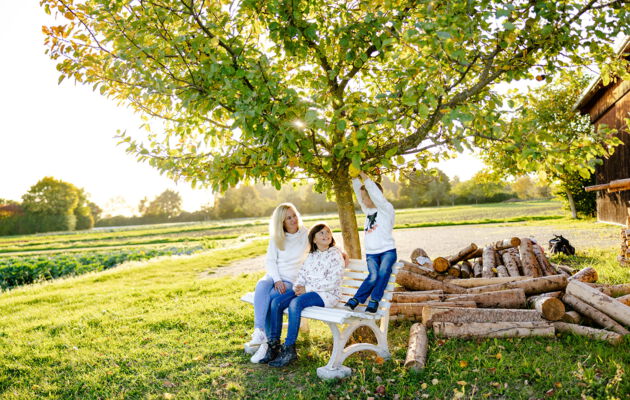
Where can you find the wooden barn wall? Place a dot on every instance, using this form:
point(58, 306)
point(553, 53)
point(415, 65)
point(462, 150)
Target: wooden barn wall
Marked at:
point(611, 109)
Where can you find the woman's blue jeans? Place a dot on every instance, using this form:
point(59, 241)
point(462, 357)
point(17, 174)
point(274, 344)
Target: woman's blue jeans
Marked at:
point(295, 304)
point(264, 293)
point(380, 269)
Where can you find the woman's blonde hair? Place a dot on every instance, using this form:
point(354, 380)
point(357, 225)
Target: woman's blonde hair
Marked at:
point(276, 225)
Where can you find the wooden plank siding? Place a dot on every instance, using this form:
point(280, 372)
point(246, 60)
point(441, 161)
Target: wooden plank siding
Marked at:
point(610, 105)
point(613, 107)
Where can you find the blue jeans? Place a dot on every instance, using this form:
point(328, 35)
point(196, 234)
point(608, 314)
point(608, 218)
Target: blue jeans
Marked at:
point(380, 269)
point(295, 304)
point(264, 293)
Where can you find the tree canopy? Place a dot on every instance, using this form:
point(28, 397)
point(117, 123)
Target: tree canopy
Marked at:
point(278, 90)
point(547, 136)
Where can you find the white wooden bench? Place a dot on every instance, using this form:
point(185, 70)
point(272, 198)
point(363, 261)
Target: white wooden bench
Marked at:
point(343, 322)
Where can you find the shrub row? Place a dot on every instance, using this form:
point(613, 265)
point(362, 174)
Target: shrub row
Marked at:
point(16, 271)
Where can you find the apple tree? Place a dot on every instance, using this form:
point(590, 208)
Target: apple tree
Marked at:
point(279, 90)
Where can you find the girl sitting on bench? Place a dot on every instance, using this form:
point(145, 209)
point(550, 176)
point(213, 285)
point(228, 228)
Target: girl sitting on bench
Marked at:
point(318, 284)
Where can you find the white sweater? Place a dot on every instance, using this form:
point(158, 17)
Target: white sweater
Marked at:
point(285, 264)
point(322, 273)
point(378, 234)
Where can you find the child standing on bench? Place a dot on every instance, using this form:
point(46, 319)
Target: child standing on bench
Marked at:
point(380, 248)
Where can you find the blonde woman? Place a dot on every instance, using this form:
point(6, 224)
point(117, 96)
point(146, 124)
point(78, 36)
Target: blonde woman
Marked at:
point(288, 245)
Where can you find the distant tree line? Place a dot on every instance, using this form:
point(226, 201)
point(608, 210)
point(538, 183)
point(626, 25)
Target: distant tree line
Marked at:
point(54, 205)
point(49, 205)
point(419, 189)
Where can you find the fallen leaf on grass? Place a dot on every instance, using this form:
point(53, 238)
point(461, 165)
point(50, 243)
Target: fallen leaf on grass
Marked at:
point(550, 392)
point(379, 360)
point(463, 363)
point(168, 384)
point(463, 383)
point(424, 385)
point(169, 396)
point(499, 356)
point(558, 384)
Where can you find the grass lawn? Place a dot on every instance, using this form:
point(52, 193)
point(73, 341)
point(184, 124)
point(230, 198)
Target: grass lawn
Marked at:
point(156, 330)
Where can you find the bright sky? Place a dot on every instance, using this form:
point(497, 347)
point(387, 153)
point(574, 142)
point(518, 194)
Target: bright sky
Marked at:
point(67, 131)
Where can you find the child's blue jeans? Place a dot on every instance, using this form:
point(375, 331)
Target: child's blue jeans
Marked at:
point(295, 304)
point(264, 294)
point(380, 269)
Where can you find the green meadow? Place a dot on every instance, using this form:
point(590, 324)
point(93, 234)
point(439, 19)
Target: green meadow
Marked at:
point(166, 329)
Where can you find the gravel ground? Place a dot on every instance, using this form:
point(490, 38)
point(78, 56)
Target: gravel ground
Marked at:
point(447, 240)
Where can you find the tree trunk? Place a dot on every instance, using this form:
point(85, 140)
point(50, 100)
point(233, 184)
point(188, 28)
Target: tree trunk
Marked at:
point(571, 203)
point(466, 269)
point(477, 282)
point(462, 254)
point(418, 269)
point(510, 263)
point(502, 272)
point(506, 243)
point(528, 259)
point(414, 281)
point(347, 217)
point(432, 313)
point(606, 304)
point(588, 275)
point(477, 268)
point(531, 286)
point(572, 317)
point(415, 309)
point(416, 297)
point(544, 263)
point(513, 298)
point(621, 289)
point(488, 262)
point(624, 299)
point(440, 264)
point(598, 334)
point(594, 314)
point(492, 329)
point(417, 350)
point(551, 308)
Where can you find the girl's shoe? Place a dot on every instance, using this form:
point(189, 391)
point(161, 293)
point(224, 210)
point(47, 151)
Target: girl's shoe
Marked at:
point(372, 306)
point(351, 304)
point(273, 350)
point(287, 354)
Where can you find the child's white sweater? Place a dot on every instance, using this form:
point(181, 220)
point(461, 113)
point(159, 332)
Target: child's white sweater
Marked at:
point(378, 232)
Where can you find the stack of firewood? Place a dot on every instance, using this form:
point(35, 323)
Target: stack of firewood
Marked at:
point(506, 258)
point(505, 306)
point(624, 255)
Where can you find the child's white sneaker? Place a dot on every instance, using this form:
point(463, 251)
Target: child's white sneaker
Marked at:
point(260, 353)
point(258, 338)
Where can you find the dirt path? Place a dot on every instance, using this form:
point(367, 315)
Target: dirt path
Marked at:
point(446, 240)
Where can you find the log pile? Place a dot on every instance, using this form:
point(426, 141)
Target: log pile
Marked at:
point(542, 300)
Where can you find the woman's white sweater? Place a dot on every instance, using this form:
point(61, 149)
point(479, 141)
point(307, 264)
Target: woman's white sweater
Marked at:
point(285, 264)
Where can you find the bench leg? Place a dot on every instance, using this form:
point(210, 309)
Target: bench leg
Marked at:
point(335, 368)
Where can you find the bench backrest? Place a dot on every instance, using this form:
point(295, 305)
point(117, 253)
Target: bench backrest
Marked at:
point(354, 275)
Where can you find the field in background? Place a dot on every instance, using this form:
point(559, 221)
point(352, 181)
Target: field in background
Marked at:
point(223, 233)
